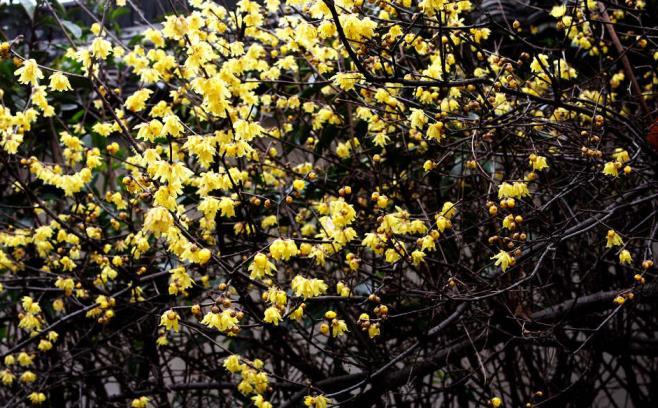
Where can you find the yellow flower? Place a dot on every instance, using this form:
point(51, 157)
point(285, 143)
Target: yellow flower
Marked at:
point(29, 73)
point(504, 259)
point(539, 63)
point(343, 150)
point(276, 296)
point(172, 126)
point(96, 29)
point(271, 221)
point(373, 330)
point(283, 249)
point(518, 189)
point(505, 190)
point(625, 257)
point(154, 36)
point(272, 315)
point(227, 207)
point(496, 402)
point(418, 257)
point(417, 119)
point(357, 29)
point(621, 155)
point(101, 48)
point(37, 398)
point(342, 213)
point(342, 289)
point(538, 163)
point(158, 220)
point(141, 402)
point(449, 210)
point(435, 131)
point(7, 377)
point(557, 12)
point(161, 340)
point(24, 359)
point(611, 169)
point(232, 363)
point(29, 305)
point(260, 402)
point(442, 223)
point(28, 377)
point(319, 401)
point(245, 387)
point(396, 253)
point(45, 345)
point(59, 82)
point(223, 321)
point(58, 305)
point(613, 239)
point(338, 327)
point(260, 267)
point(298, 313)
point(179, 281)
point(137, 101)
point(149, 130)
point(308, 288)
point(299, 185)
point(169, 320)
point(347, 80)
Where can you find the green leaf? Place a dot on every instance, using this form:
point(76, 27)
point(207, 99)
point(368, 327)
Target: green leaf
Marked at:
point(73, 28)
point(77, 116)
point(58, 7)
point(118, 12)
point(30, 7)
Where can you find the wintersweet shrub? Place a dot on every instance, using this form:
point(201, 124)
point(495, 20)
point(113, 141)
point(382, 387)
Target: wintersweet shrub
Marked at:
point(329, 203)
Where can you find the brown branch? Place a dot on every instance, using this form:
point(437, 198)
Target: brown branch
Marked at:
point(635, 86)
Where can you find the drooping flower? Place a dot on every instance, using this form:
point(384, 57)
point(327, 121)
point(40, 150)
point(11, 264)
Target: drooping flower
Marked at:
point(496, 402)
point(308, 288)
point(261, 267)
point(59, 82)
point(625, 257)
point(169, 320)
point(283, 249)
point(613, 239)
point(29, 73)
point(141, 402)
point(557, 12)
point(158, 220)
point(37, 398)
point(538, 163)
point(101, 48)
point(232, 363)
point(7, 377)
point(504, 259)
point(319, 401)
point(611, 169)
point(338, 327)
point(272, 315)
point(516, 190)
